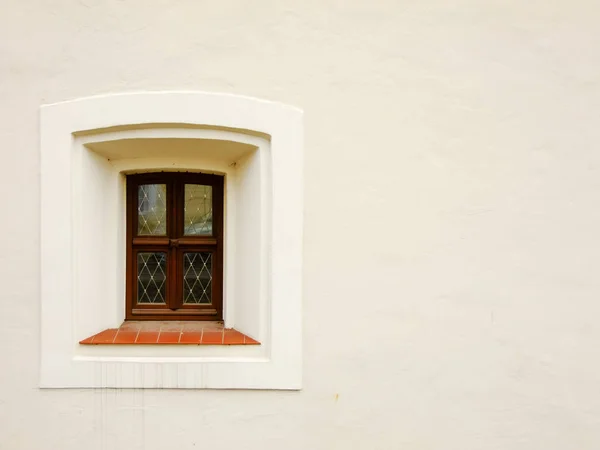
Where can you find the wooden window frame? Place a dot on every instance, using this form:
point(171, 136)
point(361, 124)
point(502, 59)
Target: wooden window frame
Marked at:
point(175, 244)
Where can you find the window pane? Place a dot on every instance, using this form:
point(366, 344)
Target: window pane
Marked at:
point(151, 277)
point(198, 214)
point(152, 210)
point(197, 278)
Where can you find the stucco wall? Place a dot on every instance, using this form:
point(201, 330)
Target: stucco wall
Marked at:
point(451, 217)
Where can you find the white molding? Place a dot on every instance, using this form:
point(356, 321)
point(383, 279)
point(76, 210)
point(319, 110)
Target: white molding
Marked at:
point(276, 364)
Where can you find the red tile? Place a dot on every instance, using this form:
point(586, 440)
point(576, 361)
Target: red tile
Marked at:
point(190, 337)
point(233, 337)
point(130, 326)
point(249, 341)
point(207, 333)
point(147, 337)
point(212, 337)
point(105, 337)
point(125, 337)
point(175, 326)
point(169, 337)
point(193, 326)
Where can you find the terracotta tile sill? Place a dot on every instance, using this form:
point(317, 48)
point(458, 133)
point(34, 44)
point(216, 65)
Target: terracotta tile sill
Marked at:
point(170, 333)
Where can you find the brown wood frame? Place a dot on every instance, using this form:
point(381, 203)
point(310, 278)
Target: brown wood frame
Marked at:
point(174, 244)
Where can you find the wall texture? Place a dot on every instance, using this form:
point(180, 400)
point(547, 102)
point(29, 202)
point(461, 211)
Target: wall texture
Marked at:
point(451, 229)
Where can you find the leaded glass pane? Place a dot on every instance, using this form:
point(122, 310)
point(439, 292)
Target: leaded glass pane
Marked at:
point(151, 277)
point(198, 213)
point(197, 277)
point(152, 210)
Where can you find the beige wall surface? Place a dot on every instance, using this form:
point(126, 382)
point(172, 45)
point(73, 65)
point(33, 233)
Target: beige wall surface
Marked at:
point(452, 179)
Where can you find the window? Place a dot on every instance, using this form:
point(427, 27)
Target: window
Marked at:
point(88, 148)
point(174, 246)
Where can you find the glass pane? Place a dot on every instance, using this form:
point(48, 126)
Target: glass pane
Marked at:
point(197, 277)
point(152, 277)
point(198, 215)
point(152, 210)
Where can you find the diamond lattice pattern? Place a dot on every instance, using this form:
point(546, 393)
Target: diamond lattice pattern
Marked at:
point(152, 278)
point(152, 210)
point(198, 214)
point(197, 277)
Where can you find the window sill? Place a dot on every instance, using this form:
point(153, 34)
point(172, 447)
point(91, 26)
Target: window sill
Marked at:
point(170, 333)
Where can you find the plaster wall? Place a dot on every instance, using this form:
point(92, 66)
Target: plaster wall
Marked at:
point(451, 221)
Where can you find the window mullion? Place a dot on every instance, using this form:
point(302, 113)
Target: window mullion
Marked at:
point(173, 234)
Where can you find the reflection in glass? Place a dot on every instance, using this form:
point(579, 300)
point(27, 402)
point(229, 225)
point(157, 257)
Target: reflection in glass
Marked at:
point(198, 214)
point(197, 277)
point(152, 210)
point(151, 277)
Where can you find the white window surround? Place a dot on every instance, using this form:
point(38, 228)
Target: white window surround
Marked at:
point(87, 146)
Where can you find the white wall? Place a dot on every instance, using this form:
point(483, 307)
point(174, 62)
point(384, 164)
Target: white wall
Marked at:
point(451, 217)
